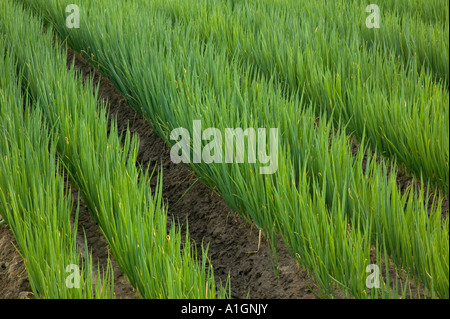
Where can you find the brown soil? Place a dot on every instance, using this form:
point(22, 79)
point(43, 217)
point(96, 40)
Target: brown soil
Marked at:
point(13, 277)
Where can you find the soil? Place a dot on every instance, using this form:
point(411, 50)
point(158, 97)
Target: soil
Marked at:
point(13, 277)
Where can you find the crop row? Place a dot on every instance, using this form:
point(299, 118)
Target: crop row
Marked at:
point(33, 199)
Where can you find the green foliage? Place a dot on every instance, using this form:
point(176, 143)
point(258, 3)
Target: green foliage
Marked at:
point(33, 200)
point(313, 70)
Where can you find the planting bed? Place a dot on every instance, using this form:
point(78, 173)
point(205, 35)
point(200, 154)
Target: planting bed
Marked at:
point(88, 180)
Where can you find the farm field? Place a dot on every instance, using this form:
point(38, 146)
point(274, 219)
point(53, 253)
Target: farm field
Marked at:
point(133, 112)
